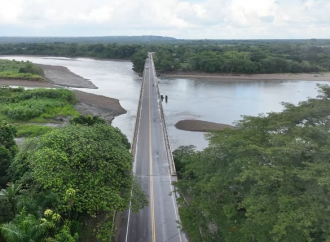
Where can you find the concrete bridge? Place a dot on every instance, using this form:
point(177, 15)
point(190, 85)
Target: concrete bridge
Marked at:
point(154, 168)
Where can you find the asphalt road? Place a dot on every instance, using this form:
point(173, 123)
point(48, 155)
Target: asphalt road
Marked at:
point(158, 222)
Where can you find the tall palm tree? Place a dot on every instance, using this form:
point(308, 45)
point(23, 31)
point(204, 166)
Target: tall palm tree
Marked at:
point(26, 228)
point(11, 193)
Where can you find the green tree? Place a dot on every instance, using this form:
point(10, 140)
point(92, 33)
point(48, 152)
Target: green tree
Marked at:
point(11, 194)
point(6, 212)
point(139, 59)
point(87, 120)
point(179, 155)
point(94, 161)
point(265, 181)
point(25, 228)
point(8, 149)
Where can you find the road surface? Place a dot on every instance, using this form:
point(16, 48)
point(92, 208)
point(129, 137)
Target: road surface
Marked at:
point(158, 222)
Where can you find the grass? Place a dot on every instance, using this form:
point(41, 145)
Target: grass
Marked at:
point(31, 130)
point(20, 70)
point(18, 105)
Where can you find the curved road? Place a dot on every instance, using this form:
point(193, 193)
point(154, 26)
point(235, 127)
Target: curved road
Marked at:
point(158, 222)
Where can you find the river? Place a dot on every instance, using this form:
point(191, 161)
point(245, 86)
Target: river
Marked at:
point(222, 102)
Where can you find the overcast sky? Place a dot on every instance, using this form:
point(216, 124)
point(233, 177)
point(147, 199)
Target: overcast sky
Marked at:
point(189, 19)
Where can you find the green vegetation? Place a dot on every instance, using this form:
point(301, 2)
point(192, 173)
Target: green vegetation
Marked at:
point(266, 181)
point(117, 51)
point(31, 130)
point(65, 180)
point(36, 105)
point(8, 150)
point(212, 56)
point(250, 59)
point(20, 70)
point(139, 60)
point(87, 120)
point(105, 164)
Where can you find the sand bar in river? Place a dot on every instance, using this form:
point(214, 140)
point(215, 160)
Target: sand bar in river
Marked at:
point(88, 104)
point(201, 126)
point(62, 76)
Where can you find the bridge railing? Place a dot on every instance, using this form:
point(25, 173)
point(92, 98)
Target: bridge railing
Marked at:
point(164, 126)
point(138, 115)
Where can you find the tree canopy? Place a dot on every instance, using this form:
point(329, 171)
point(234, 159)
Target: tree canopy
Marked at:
point(69, 180)
point(267, 180)
point(88, 167)
point(8, 149)
point(212, 56)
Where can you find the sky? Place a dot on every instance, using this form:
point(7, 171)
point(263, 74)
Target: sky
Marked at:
point(184, 19)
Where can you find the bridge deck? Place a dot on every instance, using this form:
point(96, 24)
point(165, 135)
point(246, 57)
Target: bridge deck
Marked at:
point(158, 221)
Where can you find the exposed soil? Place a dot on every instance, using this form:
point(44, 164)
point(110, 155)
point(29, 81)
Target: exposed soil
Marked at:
point(25, 83)
point(88, 104)
point(254, 77)
point(62, 76)
point(201, 126)
point(97, 105)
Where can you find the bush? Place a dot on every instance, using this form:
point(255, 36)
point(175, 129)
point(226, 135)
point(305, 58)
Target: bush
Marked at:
point(30, 130)
point(87, 120)
point(30, 68)
point(29, 109)
point(25, 105)
point(20, 70)
point(88, 167)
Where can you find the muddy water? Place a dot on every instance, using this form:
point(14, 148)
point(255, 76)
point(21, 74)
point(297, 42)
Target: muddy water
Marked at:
point(114, 79)
point(225, 102)
point(222, 102)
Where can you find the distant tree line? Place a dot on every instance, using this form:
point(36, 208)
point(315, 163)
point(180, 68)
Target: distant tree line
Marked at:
point(246, 57)
point(116, 51)
point(259, 58)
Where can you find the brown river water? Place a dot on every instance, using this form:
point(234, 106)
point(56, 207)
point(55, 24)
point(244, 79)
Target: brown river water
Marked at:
point(188, 98)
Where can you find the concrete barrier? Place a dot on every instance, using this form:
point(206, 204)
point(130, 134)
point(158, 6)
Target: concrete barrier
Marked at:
point(165, 134)
point(138, 114)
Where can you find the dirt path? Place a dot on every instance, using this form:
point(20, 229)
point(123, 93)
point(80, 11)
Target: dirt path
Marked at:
point(62, 76)
point(200, 126)
point(254, 77)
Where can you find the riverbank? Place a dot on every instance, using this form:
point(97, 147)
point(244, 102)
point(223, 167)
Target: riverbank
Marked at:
point(62, 76)
point(253, 77)
point(88, 103)
point(25, 83)
point(97, 105)
point(201, 126)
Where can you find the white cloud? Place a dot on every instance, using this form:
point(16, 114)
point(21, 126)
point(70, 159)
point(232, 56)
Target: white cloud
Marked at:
point(10, 10)
point(178, 18)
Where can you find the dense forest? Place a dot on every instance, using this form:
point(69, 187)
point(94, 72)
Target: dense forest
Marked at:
point(65, 184)
point(211, 56)
point(265, 181)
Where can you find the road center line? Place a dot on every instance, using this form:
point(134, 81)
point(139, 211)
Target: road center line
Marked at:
point(150, 168)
